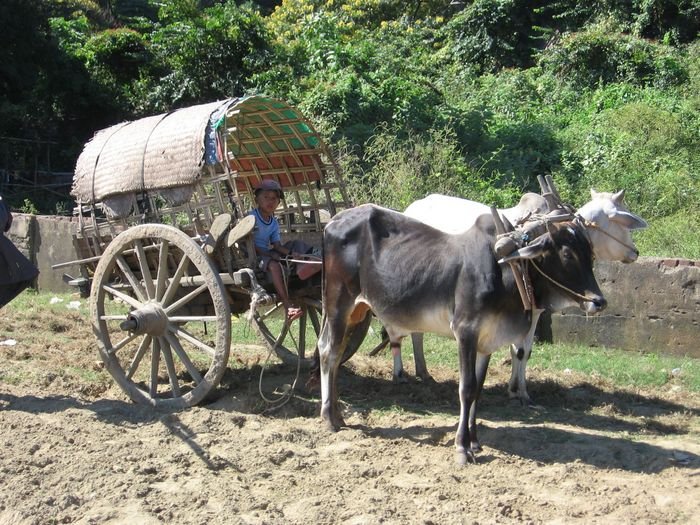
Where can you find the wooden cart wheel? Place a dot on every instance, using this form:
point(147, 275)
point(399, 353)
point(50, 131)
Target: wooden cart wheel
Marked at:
point(280, 335)
point(161, 317)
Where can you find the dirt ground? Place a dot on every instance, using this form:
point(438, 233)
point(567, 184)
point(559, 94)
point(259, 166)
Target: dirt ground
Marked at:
point(74, 450)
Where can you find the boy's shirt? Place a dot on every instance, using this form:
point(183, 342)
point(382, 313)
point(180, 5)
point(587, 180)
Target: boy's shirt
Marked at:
point(266, 232)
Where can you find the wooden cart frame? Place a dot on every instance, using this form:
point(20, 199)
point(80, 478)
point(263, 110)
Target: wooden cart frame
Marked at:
point(165, 249)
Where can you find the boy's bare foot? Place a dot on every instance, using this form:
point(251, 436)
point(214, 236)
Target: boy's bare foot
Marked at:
point(294, 313)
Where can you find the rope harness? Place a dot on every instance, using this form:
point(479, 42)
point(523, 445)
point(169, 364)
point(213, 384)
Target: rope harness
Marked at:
point(527, 230)
point(593, 225)
point(558, 284)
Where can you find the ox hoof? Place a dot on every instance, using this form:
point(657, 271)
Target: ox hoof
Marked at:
point(337, 423)
point(463, 458)
point(428, 380)
point(400, 379)
point(330, 426)
point(524, 400)
point(331, 421)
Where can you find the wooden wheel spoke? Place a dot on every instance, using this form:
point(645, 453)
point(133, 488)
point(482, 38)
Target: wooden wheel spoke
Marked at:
point(138, 356)
point(182, 355)
point(268, 313)
point(170, 365)
point(175, 281)
point(145, 270)
point(315, 322)
point(121, 344)
point(180, 332)
point(133, 281)
point(162, 277)
point(134, 303)
point(302, 334)
point(186, 299)
point(192, 318)
point(155, 363)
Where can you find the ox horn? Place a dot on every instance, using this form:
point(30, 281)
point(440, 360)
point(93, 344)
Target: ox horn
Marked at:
point(619, 197)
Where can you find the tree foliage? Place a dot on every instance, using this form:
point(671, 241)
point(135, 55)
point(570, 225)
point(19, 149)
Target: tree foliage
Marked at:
point(207, 54)
point(473, 99)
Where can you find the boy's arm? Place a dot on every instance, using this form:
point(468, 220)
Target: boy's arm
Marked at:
point(275, 252)
point(279, 249)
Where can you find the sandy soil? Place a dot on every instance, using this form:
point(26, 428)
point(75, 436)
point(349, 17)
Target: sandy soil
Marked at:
point(75, 451)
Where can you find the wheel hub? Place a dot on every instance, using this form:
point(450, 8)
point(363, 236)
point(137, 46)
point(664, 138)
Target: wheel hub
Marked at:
point(150, 319)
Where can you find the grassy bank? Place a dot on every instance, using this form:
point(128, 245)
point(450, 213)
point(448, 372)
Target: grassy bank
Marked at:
point(53, 330)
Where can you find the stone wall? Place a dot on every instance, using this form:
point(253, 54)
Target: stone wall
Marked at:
point(653, 304)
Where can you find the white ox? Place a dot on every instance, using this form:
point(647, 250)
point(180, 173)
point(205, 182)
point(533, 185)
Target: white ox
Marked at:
point(609, 224)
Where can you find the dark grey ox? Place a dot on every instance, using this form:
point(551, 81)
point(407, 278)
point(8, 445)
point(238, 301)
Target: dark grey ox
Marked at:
point(416, 278)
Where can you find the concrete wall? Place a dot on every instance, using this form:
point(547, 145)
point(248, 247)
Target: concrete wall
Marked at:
point(46, 240)
point(653, 304)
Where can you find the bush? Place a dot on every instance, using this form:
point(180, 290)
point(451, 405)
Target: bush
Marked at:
point(116, 56)
point(358, 85)
point(675, 22)
point(675, 235)
point(516, 139)
point(642, 148)
point(598, 56)
point(404, 170)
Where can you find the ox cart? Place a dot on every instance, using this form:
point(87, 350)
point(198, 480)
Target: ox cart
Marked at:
point(165, 246)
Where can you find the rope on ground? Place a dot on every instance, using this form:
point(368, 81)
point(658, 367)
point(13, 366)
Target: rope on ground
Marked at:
point(260, 296)
point(285, 396)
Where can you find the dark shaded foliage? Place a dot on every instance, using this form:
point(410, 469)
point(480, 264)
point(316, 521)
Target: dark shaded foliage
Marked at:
point(677, 21)
point(495, 34)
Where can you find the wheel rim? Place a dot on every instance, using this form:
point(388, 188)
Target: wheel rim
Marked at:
point(160, 316)
point(280, 335)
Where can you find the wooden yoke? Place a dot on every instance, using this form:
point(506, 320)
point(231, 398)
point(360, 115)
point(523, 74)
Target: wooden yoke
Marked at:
point(521, 280)
point(551, 195)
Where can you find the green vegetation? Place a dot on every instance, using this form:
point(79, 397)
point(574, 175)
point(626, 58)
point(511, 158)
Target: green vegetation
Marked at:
point(619, 367)
point(622, 368)
point(32, 301)
point(473, 99)
point(61, 340)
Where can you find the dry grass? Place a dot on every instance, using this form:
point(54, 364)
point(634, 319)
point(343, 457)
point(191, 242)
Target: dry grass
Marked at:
point(56, 354)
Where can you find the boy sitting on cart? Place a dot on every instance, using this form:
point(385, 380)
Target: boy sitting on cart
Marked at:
point(268, 245)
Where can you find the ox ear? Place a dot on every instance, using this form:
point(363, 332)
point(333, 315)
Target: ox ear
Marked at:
point(628, 220)
point(531, 251)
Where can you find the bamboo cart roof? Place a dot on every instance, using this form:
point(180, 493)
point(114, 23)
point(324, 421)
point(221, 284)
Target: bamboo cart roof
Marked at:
point(254, 137)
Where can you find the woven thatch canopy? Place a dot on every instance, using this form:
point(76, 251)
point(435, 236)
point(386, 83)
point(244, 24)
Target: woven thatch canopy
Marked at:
point(260, 137)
